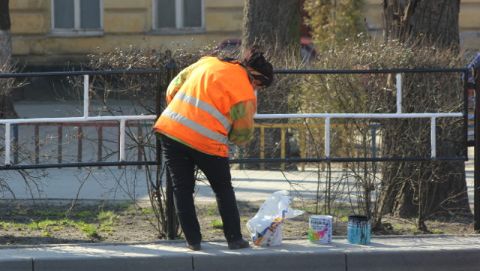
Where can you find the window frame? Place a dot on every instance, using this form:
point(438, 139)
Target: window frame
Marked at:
point(76, 30)
point(179, 21)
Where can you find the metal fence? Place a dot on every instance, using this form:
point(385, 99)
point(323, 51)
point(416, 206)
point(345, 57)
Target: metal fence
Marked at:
point(122, 121)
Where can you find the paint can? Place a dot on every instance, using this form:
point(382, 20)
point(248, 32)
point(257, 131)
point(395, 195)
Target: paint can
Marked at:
point(320, 229)
point(358, 230)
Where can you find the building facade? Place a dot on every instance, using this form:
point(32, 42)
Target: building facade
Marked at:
point(54, 32)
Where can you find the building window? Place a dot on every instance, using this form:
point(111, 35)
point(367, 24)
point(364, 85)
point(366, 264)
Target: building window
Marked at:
point(77, 15)
point(178, 14)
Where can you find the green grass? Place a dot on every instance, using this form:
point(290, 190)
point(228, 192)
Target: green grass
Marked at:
point(147, 211)
point(89, 222)
point(88, 229)
point(49, 226)
point(6, 225)
point(107, 217)
point(217, 224)
point(107, 221)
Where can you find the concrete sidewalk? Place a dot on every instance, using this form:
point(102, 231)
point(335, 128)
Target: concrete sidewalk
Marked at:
point(385, 253)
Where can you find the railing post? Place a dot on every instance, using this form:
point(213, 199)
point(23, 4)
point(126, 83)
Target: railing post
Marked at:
point(327, 137)
point(122, 140)
point(7, 143)
point(399, 92)
point(433, 138)
point(86, 97)
point(15, 143)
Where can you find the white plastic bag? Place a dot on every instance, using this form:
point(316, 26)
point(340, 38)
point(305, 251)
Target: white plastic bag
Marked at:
point(266, 226)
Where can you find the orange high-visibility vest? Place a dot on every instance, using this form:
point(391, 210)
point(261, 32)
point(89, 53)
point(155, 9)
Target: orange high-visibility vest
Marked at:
point(199, 113)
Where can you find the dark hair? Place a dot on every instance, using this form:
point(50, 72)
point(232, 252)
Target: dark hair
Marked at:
point(257, 61)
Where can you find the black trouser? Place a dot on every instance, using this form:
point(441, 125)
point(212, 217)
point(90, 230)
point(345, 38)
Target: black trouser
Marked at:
point(181, 161)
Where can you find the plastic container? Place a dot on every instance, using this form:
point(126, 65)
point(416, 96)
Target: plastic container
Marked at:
point(320, 229)
point(358, 230)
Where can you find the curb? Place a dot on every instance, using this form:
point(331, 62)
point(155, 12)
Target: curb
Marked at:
point(437, 253)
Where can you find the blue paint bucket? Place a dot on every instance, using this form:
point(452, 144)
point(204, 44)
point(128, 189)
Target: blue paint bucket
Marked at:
point(358, 230)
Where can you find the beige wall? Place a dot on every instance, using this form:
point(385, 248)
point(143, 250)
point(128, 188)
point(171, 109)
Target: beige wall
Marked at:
point(470, 25)
point(127, 22)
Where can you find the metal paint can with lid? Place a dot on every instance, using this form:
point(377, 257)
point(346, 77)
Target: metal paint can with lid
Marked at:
point(358, 230)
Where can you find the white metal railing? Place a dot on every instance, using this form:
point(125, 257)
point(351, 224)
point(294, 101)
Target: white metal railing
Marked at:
point(85, 118)
point(327, 116)
point(398, 115)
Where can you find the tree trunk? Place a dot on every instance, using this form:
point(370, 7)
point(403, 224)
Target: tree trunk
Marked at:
point(5, 39)
point(272, 26)
point(5, 48)
point(6, 105)
point(429, 22)
point(423, 189)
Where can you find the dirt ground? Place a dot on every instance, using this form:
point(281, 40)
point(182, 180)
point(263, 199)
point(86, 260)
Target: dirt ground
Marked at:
point(22, 224)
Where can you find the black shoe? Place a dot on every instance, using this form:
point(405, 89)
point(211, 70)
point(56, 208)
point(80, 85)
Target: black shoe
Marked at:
point(239, 244)
point(194, 247)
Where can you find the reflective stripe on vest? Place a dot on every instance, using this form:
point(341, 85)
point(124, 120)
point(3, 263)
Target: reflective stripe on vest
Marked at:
point(206, 107)
point(195, 126)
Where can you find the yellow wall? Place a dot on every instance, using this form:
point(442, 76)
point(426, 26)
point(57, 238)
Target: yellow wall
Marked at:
point(127, 22)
